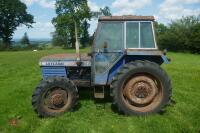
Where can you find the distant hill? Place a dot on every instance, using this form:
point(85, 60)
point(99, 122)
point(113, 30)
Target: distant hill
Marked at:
point(41, 41)
point(35, 40)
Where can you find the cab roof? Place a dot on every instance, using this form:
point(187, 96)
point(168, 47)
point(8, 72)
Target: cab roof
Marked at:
point(127, 18)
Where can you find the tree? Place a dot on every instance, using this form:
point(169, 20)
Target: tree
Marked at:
point(194, 38)
point(160, 28)
point(102, 12)
point(59, 40)
point(12, 14)
point(105, 11)
point(181, 35)
point(25, 40)
point(70, 16)
point(85, 37)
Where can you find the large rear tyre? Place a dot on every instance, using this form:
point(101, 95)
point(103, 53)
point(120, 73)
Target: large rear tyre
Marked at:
point(141, 88)
point(54, 96)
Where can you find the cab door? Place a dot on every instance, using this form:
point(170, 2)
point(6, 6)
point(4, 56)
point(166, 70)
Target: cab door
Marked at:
point(108, 48)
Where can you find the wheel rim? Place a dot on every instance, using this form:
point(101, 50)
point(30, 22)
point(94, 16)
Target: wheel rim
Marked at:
point(142, 92)
point(56, 100)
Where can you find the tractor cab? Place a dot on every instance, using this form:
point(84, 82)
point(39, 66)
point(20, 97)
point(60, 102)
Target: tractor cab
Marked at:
point(121, 39)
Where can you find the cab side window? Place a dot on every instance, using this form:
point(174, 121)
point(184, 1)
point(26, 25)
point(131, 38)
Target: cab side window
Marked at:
point(139, 35)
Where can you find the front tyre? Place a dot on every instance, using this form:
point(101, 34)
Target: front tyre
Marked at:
point(141, 88)
point(54, 96)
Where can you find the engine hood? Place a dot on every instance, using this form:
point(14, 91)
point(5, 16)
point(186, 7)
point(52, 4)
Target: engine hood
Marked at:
point(65, 60)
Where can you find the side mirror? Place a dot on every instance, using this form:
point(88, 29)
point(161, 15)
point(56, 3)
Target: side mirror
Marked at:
point(98, 51)
point(165, 51)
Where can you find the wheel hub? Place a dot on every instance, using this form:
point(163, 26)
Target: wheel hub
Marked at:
point(57, 99)
point(140, 90)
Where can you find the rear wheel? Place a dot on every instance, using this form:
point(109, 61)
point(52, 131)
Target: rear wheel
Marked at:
point(141, 88)
point(54, 96)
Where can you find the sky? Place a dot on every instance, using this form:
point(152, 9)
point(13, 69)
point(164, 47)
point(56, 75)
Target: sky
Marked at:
point(163, 10)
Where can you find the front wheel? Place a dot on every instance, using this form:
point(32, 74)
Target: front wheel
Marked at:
point(54, 96)
point(141, 88)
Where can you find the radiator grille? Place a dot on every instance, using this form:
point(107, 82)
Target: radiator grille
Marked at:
point(54, 71)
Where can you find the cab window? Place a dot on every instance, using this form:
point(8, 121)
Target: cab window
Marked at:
point(139, 35)
point(146, 35)
point(132, 35)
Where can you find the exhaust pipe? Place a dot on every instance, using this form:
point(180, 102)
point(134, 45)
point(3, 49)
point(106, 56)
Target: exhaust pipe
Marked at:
point(78, 62)
point(77, 43)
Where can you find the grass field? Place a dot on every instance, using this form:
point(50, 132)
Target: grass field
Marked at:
point(20, 74)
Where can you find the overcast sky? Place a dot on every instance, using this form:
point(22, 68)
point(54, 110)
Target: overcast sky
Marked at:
point(164, 11)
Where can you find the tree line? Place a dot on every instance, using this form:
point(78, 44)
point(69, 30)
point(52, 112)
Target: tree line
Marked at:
point(182, 35)
point(72, 23)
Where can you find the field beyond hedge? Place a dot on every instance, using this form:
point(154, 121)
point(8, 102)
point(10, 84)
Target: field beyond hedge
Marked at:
point(20, 74)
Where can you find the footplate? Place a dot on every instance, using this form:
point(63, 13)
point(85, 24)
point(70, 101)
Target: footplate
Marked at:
point(99, 92)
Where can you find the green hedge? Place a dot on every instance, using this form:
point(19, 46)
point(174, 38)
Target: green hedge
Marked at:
point(182, 35)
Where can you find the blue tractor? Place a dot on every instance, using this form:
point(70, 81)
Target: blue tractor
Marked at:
point(125, 59)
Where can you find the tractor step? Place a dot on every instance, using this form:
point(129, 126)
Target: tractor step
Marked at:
point(99, 92)
point(99, 95)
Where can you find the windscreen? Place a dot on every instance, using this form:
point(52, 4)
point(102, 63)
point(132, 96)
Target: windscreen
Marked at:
point(111, 35)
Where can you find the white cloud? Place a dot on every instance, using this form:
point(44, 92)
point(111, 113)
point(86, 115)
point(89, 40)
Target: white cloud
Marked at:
point(42, 3)
point(28, 2)
point(47, 3)
point(51, 4)
point(175, 9)
point(43, 26)
point(136, 4)
point(93, 6)
point(179, 2)
point(39, 30)
point(125, 12)
point(127, 7)
point(93, 26)
point(38, 26)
